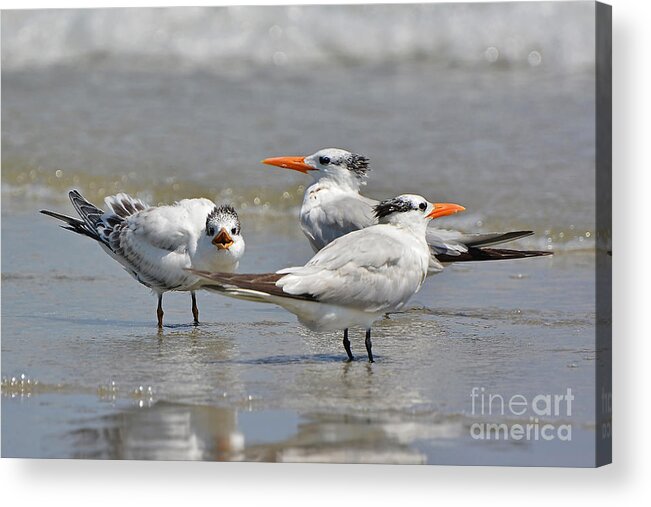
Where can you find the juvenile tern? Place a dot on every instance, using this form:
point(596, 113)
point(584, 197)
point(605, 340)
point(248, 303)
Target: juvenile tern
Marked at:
point(155, 244)
point(333, 206)
point(356, 278)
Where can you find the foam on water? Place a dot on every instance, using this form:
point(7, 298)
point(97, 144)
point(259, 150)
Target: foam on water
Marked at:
point(258, 213)
point(218, 39)
point(259, 206)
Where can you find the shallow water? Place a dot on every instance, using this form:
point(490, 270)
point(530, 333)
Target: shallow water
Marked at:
point(251, 383)
point(512, 142)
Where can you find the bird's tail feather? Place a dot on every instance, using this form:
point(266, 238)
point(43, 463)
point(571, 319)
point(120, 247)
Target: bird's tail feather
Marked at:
point(88, 212)
point(492, 238)
point(91, 216)
point(491, 254)
point(261, 286)
point(238, 293)
point(71, 221)
point(123, 205)
point(73, 224)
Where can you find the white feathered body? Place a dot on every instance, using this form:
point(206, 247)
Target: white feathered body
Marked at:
point(352, 281)
point(157, 245)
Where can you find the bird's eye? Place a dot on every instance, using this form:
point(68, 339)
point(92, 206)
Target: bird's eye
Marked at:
point(234, 230)
point(324, 160)
point(423, 206)
point(211, 231)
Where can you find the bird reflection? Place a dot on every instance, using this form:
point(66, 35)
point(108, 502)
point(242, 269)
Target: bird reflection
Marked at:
point(164, 431)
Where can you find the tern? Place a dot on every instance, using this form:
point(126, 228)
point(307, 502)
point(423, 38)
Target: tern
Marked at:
point(356, 278)
point(333, 206)
point(155, 244)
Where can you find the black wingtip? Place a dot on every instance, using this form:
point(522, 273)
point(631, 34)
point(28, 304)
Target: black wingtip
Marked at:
point(49, 212)
point(60, 216)
point(498, 239)
point(492, 254)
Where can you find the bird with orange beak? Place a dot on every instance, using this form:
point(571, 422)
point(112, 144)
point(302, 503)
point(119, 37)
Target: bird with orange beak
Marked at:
point(155, 244)
point(334, 206)
point(355, 279)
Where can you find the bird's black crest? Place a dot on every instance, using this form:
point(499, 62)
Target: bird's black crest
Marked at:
point(393, 205)
point(223, 211)
point(358, 164)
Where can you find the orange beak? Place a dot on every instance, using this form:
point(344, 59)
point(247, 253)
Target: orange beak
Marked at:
point(442, 209)
point(223, 240)
point(294, 163)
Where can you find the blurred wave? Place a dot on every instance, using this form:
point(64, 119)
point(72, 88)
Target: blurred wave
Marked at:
point(490, 105)
point(219, 39)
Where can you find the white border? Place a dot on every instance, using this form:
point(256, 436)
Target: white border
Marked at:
point(27, 482)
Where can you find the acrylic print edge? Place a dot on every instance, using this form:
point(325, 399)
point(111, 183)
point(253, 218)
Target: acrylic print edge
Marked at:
point(603, 245)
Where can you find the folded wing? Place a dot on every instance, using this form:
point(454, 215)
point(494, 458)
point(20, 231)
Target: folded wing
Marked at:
point(374, 269)
point(322, 225)
point(154, 244)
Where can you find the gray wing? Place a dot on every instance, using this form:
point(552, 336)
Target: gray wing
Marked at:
point(373, 269)
point(153, 244)
point(451, 243)
point(323, 224)
point(170, 228)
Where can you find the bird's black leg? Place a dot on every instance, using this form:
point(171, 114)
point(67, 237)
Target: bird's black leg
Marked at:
point(347, 345)
point(195, 309)
point(159, 311)
point(369, 345)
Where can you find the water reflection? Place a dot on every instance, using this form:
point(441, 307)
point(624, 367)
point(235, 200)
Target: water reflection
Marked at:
point(344, 438)
point(173, 431)
point(165, 431)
